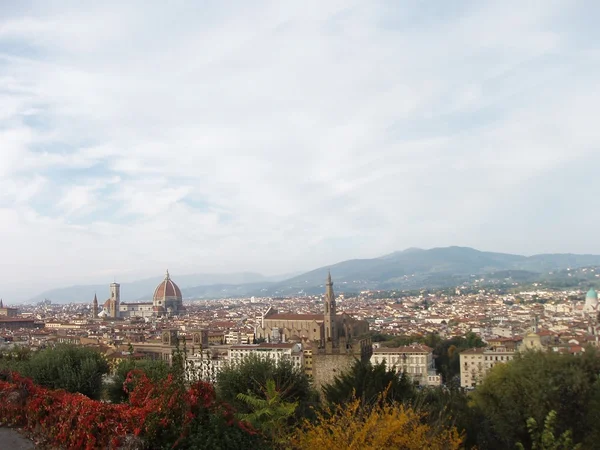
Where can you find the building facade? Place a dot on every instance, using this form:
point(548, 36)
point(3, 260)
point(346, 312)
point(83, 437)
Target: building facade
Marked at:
point(167, 301)
point(6, 311)
point(416, 361)
point(328, 328)
point(476, 363)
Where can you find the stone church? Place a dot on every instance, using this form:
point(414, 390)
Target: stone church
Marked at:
point(167, 301)
point(321, 330)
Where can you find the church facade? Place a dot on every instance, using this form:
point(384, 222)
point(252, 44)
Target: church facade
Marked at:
point(321, 330)
point(166, 301)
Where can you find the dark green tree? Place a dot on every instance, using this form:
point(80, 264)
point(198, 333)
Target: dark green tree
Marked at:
point(545, 438)
point(530, 387)
point(448, 406)
point(250, 376)
point(448, 354)
point(367, 382)
point(269, 413)
point(75, 369)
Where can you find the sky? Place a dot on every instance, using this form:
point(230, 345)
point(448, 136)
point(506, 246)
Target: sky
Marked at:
point(281, 136)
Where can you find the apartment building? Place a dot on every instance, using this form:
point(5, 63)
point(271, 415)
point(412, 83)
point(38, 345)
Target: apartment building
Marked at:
point(476, 363)
point(416, 361)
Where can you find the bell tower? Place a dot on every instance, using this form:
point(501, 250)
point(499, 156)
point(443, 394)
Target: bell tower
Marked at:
point(115, 299)
point(95, 307)
point(329, 315)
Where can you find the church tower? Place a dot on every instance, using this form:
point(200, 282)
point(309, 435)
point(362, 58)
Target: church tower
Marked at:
point(95, 307)
point(115, 299)
point(329, 315)
point(534, 325)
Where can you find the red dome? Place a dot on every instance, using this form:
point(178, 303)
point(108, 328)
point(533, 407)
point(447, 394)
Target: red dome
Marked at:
point(167, 290)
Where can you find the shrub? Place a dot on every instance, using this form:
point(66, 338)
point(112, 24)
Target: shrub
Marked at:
point(160, 415)
point(356, 426)
point(154, 370)
point(75, 369)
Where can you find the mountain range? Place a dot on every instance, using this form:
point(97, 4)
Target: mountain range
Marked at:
point(409, 269)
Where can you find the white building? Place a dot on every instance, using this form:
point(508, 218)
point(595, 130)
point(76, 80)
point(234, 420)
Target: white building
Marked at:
point(416, 361)
point(277, 352)
point(476, 363)
point(208, 364)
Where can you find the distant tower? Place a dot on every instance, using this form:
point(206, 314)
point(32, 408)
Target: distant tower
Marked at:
point(591, 303)
point(95, 307)
point(534, 325)
point(1, 304)
point(115, 299)
point(329, 316)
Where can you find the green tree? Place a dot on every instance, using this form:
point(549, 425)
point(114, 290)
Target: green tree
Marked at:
point(75, 369)
point(448, 354)
point(250, 376)
point(545, 439)
point(367, 382)
point(269, 412)
point(448, 406)
point(533, 385)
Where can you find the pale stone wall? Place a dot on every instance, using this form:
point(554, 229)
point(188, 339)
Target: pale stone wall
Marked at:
point(326, 367)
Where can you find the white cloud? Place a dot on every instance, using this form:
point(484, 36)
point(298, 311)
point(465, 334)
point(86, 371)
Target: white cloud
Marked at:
point(137, 136)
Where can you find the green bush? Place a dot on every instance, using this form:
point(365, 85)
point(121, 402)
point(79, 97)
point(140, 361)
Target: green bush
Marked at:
point(74, 369)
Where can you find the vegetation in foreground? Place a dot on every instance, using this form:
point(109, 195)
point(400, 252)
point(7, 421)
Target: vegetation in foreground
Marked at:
point(537, 401)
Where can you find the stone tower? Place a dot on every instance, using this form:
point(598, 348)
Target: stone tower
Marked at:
point(534, 325)
point(331, 335)
point(95, 307)
point(115, 299)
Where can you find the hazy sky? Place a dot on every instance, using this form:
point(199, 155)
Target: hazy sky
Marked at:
point(281, 136)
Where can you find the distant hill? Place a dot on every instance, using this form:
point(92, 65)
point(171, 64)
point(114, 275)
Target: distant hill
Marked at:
point(433, 268)
point(409, 269)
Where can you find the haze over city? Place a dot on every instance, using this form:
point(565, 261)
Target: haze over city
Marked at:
point(277, 137)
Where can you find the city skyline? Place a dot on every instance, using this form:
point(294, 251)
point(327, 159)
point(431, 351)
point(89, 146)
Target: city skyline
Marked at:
point(280, 137)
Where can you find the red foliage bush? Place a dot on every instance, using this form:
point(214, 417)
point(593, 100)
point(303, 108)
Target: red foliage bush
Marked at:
point(158, 413)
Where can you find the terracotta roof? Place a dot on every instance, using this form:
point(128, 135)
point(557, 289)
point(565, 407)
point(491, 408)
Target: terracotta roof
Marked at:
point(291, 316)
point(263, 345)
point(16, 319)
point(404, 349)
point(167, 289)
point(473, 351)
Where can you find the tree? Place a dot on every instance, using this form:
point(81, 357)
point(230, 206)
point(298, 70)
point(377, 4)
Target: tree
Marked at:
point(530, 387)
point(366, 382)
point(448, 353)
point(545, 439)
point(448, 406)
point(355, 426)
point(250, 376)
point(269, 412)
point(75, 369)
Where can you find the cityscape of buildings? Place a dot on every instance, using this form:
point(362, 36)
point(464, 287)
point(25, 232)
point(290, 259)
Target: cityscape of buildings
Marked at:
point(321, 335)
